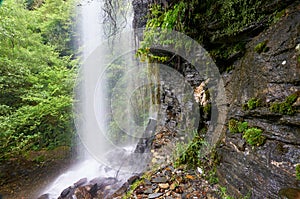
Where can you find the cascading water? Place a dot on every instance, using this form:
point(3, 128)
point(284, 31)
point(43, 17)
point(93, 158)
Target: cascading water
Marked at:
point(101, 157)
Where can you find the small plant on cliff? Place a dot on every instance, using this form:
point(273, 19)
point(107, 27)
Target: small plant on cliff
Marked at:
point(242, 126)
point(233, 126)
point(252, 104)
point(261, 47)
point(237, 126)
point(189, 154)
point(254, 137)
point(285, 107)
point(298, 171)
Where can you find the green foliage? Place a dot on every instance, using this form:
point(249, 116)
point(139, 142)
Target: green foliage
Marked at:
point(164, 19)
point(261, 47)
point(190, 153)
point(285, 107)
point(298, 171)
point(242, 126)
point(252, 104)
point(56, 19)
point(282, 108)
point(212, 176)
point(254, 137)
point(278, 15)
point(233, 126)
point(223, 193)
point(36, 85)
point(237, 126)
point(207, 109)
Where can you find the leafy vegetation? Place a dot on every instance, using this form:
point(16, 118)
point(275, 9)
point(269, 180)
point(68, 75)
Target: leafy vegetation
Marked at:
point(261, 47)
point(285, 107)
point(219, 26)
point(298, 171)
point(190, 153)
point(237, 126)
point(252, 104)
point(36, 80)
point(254, 137)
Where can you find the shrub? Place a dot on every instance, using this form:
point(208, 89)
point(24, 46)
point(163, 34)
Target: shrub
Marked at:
point(189, 154)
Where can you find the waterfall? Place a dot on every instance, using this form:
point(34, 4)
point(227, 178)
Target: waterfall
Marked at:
point(100, 21)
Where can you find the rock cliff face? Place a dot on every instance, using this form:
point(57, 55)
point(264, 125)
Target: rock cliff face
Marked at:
point(269, 71)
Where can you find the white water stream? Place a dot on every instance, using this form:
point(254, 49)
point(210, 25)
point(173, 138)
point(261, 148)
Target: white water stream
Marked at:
point(93, 32)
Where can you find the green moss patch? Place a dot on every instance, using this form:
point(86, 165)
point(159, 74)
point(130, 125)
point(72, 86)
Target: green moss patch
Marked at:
point(254, 137)
point(285, 107)
point(298, 171)
point(261, 47)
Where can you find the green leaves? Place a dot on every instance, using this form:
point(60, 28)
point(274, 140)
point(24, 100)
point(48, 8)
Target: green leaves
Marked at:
point(254, 137)
point(189, 154)
point(285, 107)
point(36, 83)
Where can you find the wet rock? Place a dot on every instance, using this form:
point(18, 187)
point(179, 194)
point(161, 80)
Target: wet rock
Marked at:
point(121, 190)
point(80, 182)
point(148, 191)
point(106, 182)
point(66, 192)
point(140, 8)
point(44, 196)
point(144, 144)
point(270, 76)
point(154, 195)
point(132, 179)
point(159, 180)
point(93, 190)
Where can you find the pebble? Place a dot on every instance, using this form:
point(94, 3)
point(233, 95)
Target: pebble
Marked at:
point(163, 185)
point(155, 195)
point(159, 180)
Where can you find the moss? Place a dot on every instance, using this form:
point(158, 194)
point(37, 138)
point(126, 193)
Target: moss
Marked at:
point(207, 109)
point(285, 107)
point(261, 47)
point(237, 126)
point(298, 59)
point(136, 184)
point(298, 171)
point(254, 137)
point(229, 68)
point(278, 16)
point(233, 126)
point(252, 104)
point(242, 126)
point(292, 98)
